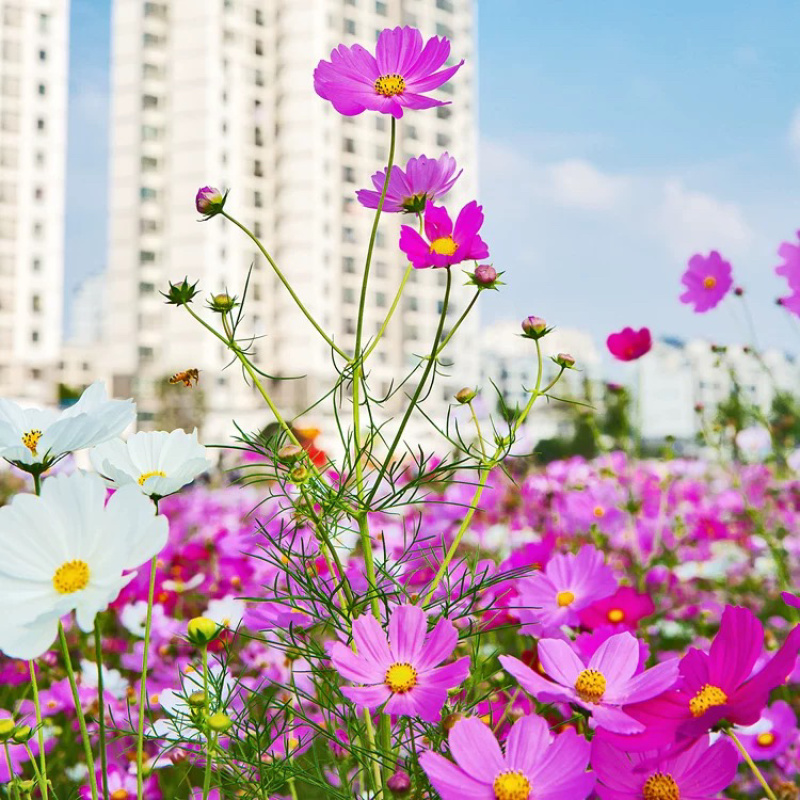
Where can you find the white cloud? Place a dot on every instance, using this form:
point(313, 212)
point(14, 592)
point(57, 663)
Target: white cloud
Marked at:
point(579, 184)
point(690, 220)
point(794, 133)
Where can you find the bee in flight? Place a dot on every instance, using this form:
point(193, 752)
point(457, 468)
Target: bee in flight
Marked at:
point(186, 377)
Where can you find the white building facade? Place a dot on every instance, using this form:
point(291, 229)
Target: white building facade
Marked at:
point(33, 134)
point(221, 93)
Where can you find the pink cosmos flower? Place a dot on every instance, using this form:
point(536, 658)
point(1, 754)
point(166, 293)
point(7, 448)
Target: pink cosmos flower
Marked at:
point(122, 785)
point(535, 764)
point(401, 673)
point(707, 281)
point(700, 772)
point(396, 77)
point(628, 344)
point(718, 685)
point(774, 732)
point(424, 179)
point(446, 244)
point(625, 608)
point(790, 268)
point(602, 686)
point(791, 600)
point(569, 583)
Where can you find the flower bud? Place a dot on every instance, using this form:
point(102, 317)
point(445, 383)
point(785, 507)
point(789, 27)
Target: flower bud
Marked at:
point(209, 201)
point(534, 327)
point(565, 360)
point(399, 784)
point(197, 699)
point(290, 452)
point(22, 734)
point(202, 630)
point(485, 275)
point(180, 294)
point(219, 722)
point(7, 728)
point(738, 291)
point(450, 720)
point(465, 395)
point(222, 303)
point(26, 787)
point(299, 474)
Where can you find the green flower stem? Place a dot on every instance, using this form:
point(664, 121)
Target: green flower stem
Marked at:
point(455, 327)
point(477, 430)
point(377, 776)
point(390, 314)
point(752, 764)
point(486, 470)
point(12, 777)
point(42, 772)
point(209, 735)
point(87, 743)
point(101, 703)
point(32, 759)
point(435, 351)
point(287, 285)
point(143, 683)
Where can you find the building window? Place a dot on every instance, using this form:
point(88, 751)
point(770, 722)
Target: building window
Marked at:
point(42, 89)
point(147, 288)
point(39, 158)
point(149, 164)
point(38, 230)
point(155, 10)
point(149, 225)
point(147, 193)
point(44, 23)
point(411, 132)
point(442, 139)
point(258, 78)
point(380, 8)
point(350, 26)
point(147, 257)
point(259, 17)
point(150, 133)
point(380, 299)
point(348, 235)
point(149, 101)
point(43, 55)
point(36, 304)
point(258, 200)
point(259, 47)
point(444, 30)
point(151, 40)
point(349, 294)
point(258, 170)
point(40, 124)
point(348, 174)
point(36, 264)
point(444, 112)
point(444, 5)
point(349, 145)
point(152, 71)
point(38, 193)
point(34, 336)
point(145, 353)
point(349, 265)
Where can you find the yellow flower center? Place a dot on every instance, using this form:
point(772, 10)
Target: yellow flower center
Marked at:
point(71, 576)
point(30, 440)
point(156, 473)
point(661, 787)
point(708, 697)
point(511, 786)
point(443, 246)
point(390, 85)
point(765, 739)
point(599, 512)
point(564, 599)
point(709, 282)
point(590, 685)
point(119, 794)
point(401, 677)
point(616, 615)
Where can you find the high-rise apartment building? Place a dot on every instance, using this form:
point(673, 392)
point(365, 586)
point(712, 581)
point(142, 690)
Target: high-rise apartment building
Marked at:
point(33, 132)
point(221, 92)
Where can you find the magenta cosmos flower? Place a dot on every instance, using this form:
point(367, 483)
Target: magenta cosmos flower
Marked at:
point(568, 584)
point(625, 608)
point(209, 201)
point(410, 190)
point(790, 268)
point(700, 772)
point(401, 673)
point(446, 244)
point(535, 764)
point(707, 280)
point(718, 685)
point(396, 77)
point(602, 686)
point(628, 344)
point(774, 732)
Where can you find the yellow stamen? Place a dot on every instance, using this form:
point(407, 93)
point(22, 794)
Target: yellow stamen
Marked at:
point(660, 786)
point(31, 439)
point(401, 677)
point(708, 697)
point(709, 282)
point(443, 246)
point(71, 576)
point(511, 785)
point(599, 512)
point(119, 794)
point(564, 599)
point(616, 615)
point(390, 85)
point(590, 685)
point(765, 739)
point(156, 473)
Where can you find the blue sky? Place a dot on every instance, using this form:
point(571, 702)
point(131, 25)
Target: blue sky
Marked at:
point(617, 138)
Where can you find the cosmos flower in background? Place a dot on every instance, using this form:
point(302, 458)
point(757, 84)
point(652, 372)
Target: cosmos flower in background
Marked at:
point(424, 179)
point(535, 763)
point(629, 344)
point(34, 439)
point(790, 271)
point(397, 77)
point(700, 772)
point(707, 280)
point(604, 684)
point(773, 734)
point(626, 607)
point(401, 672)
point(68, 550)
point(445, 244)
point(159, 463)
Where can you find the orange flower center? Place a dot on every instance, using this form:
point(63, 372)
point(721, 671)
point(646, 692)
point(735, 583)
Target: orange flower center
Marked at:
point(401, 677)
point(511, 786)
point(708, 697)
point(661, 787)
point(30, 440)
point(119, 794)
point(443, 246)
point(765, 739)
point(616, 615)
point(709, 282)
point(390, 85)
point(590, 685)
point(71, 576)
point(564, 599)
point(599, 512)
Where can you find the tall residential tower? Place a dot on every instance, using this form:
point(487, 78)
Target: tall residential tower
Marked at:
point(221, 93)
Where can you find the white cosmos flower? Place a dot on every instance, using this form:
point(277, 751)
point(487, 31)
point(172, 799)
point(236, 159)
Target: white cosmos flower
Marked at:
point(69, 550)
point(40, 436)
point(158, 462)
